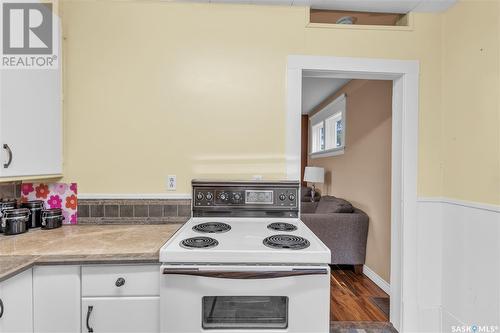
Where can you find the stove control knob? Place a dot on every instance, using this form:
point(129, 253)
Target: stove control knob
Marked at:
point(282, 196)
point(291, 197)
point(209, 196)
point(237, 197)
point(223, 196)
point(200, 196)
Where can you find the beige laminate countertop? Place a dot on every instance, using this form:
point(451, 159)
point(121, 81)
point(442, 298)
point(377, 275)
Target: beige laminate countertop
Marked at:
point(85, 244)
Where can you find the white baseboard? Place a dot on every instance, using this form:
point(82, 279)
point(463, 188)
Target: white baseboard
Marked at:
point(384, 285)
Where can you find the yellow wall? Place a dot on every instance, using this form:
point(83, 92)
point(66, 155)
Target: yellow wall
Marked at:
point(471, 108)
point(362, 175)
point(198, 90)
point(156, 88)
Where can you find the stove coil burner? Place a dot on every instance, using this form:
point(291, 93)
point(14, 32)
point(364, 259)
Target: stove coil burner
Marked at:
point(199, 243)
point(212, 227)
point(286, 242)
point(282, 226)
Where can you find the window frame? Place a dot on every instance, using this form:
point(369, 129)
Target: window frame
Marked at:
point(338, 105)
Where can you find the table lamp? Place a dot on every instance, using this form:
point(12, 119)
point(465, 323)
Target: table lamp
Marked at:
point(314, 175)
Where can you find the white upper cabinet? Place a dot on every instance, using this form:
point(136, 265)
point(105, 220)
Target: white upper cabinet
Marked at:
point(30, 122)
point(31, 93)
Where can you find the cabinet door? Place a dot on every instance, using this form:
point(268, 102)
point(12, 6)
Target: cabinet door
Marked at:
point(56, 298)
point(120, 314)
point(16, 297)
point(30, 122)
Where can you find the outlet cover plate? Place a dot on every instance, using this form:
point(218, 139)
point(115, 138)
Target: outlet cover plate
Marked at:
point(171, 182)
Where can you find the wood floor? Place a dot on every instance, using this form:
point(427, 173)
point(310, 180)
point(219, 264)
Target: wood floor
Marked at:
point(351, 297)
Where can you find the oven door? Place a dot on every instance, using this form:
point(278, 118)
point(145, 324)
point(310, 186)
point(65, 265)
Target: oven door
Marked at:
point(220, 298)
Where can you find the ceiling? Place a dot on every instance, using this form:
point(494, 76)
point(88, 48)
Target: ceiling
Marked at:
point(316, 89)
point(382, 6)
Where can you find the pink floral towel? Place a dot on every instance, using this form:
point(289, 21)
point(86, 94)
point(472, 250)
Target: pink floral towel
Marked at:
point(55, 195)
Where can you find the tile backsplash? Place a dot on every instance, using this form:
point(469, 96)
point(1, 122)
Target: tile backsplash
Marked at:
point(10, 190)
point(139, 211)
point(126, 211)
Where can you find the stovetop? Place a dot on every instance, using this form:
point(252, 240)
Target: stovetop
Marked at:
point(210, 240)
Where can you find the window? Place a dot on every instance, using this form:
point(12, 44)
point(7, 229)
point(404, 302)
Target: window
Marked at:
point(327, 134)
point(245, 313)
point(318, 142)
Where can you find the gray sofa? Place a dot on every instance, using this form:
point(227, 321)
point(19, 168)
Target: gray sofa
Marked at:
point(342, 227)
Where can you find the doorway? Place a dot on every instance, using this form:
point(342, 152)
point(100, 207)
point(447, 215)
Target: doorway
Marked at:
point(404, 77)
point(346, 137)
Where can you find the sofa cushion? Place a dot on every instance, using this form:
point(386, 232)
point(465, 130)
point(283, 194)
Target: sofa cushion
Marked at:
point(331, 204)
point(308, 207)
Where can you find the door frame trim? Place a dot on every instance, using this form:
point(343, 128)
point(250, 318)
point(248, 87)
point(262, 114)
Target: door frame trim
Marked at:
point(405, 77)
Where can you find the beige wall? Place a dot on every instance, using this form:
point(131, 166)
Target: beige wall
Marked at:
point(198, 90)
point(471, 108)
point(362, 174)
point(154, 88)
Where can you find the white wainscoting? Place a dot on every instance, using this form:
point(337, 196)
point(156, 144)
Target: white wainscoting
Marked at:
point(458, 264)
point(429, 262)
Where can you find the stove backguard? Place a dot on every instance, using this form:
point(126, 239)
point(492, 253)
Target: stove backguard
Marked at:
point(245, 198)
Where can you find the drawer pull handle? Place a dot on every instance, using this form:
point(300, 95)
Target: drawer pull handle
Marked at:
point(89, 311)
point(1, 308)
point(120, 282)
point(9, 152)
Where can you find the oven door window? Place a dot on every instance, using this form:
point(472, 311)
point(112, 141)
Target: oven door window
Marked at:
point(245, 312)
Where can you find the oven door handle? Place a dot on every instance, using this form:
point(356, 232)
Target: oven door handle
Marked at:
point(245, 274)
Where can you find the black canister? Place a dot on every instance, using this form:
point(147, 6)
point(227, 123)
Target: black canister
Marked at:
point(52, 218)
point(15, 221)
point(6, 204)
point(36, 207)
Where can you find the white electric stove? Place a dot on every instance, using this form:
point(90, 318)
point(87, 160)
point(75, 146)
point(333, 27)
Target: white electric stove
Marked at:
point(241, 240)
point(245, 263)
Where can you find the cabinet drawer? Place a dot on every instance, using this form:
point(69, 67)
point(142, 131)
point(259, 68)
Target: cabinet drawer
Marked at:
point(136, 280)
point(121, 314)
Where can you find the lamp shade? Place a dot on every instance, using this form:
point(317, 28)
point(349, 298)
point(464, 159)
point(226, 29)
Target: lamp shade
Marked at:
point(314, 175)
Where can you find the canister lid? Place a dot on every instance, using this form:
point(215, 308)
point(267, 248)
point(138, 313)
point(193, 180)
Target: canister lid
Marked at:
point(8, 203)
point(33, 204)
point(52, 212)
point(19, 212)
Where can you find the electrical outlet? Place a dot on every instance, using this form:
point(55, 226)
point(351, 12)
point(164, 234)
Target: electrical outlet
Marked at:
point(171, 182)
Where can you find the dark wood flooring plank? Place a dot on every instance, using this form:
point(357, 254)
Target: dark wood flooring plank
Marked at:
point(351, 295)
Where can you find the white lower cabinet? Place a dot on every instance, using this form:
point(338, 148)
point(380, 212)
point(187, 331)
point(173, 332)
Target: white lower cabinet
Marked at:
point(120, 298)
point(56, 299)
point(120, 314)
point(16, 306)
point(74, 298)
point(120, 280)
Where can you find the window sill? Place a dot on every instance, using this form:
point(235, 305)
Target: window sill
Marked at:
point(327, 153)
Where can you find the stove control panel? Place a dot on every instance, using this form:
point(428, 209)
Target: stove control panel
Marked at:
point(227, 197)
point(256, 197)
point(253, 197)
